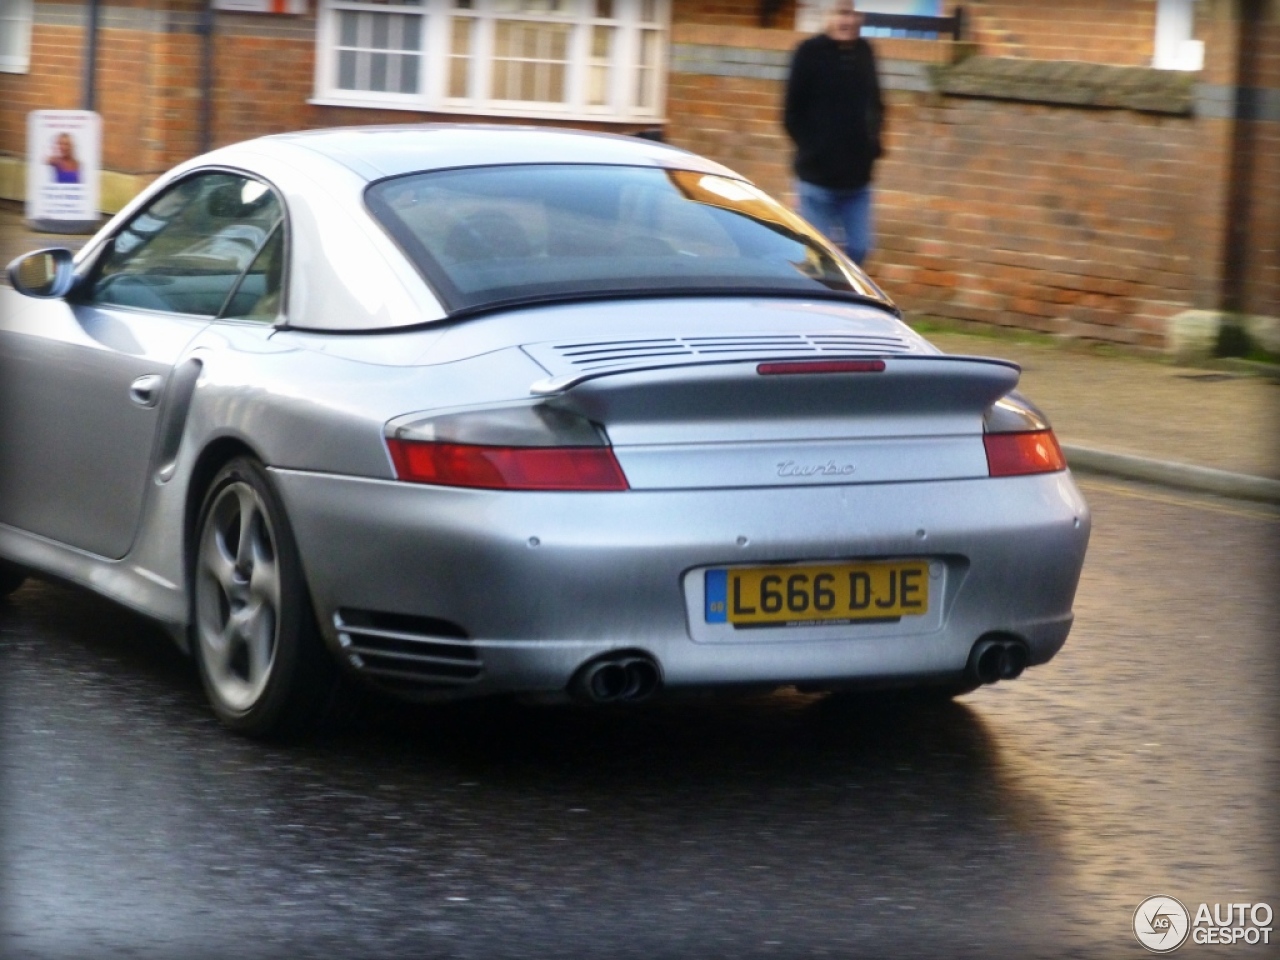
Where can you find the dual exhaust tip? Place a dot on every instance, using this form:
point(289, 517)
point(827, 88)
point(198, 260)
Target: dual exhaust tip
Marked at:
point(633, 677)
point(618, 678)
point(997, 659)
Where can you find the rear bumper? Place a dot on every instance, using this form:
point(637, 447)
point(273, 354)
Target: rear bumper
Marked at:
point(540, 583)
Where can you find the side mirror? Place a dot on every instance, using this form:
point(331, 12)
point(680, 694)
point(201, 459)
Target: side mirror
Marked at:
point(46, 274)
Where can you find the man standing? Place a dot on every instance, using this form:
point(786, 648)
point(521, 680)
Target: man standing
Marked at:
point(835, 115)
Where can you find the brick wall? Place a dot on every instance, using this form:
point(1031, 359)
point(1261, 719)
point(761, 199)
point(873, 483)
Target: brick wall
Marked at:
point(1062, 220)
point(730, 13)
point(1092, 223)
point(1118, 32)
point(147, 80)
point(1095, 223)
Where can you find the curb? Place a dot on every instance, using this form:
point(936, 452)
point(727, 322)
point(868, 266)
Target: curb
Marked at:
point(1240, 486)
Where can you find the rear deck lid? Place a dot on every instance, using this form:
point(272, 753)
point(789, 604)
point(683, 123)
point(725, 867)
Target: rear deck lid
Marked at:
point(778, 411)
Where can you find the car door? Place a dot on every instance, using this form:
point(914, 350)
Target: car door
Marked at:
point(87, 378)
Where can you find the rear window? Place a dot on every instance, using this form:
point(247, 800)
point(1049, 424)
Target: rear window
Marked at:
point(493, 236)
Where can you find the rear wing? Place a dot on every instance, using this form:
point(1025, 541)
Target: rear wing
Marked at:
point(941, 393)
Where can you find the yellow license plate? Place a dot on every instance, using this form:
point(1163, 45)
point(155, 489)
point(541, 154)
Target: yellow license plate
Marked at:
point(818, 594)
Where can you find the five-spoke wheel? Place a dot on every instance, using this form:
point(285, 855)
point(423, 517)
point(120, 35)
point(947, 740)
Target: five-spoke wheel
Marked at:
point(260, 656)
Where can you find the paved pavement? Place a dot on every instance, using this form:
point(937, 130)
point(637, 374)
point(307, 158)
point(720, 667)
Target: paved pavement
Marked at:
point(1133, 416)
point(1145, 419)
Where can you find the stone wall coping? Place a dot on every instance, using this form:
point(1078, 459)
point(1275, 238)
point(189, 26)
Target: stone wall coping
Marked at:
point(1069, 82)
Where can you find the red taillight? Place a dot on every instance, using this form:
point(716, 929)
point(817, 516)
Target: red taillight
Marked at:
point(821, 366)
point(1013, 454)
point(506, 468)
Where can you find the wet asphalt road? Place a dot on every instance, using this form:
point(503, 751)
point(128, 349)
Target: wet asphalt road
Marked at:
point(1028, 819)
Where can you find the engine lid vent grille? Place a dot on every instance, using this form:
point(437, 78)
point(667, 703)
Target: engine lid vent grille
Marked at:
point(571, 363)
point(561, 358)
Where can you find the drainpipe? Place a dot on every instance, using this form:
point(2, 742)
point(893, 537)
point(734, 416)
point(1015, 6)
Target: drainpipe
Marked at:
point(88, 98)
point(205, 29)
point(1235, 292)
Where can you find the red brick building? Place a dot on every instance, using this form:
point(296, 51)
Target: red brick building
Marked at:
point(1040, 173)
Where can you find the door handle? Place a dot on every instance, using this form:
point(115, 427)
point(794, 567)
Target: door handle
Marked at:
point(145, 391)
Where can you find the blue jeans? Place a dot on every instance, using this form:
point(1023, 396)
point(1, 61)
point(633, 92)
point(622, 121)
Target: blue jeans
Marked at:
point(843, 216)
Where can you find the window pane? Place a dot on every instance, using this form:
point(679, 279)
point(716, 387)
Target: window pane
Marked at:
point(528, 232)
point(378, 72)
point(604, 9)
point(410, 28)
point(459, 75)
point(258, 296)
point(601, 38)
point(530, 62)
point(528, 40)
point(529, 6)
point(366, 44)
point(188, 248)
point(598, 86)
point(408, 74)
point(647, 74)
point(381, 32)
point(460, 41)
point(346, 70)
point(599, 67)
point(553, 86)
point(347, 28)
point(648, 47)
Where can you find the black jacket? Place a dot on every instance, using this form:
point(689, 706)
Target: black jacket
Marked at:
point(834, 112)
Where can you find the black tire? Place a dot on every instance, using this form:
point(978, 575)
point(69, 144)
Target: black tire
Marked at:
point(11, 578)
point(264, 666)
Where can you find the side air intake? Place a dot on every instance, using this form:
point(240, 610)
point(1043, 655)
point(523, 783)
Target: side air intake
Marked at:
point(407, 650)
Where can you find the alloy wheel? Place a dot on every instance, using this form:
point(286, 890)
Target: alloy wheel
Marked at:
point(238, 597)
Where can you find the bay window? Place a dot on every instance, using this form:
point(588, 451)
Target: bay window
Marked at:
point(576, 59)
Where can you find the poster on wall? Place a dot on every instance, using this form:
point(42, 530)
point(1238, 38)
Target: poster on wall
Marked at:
point(811, 14)
point(292, 7)
point(64, 157)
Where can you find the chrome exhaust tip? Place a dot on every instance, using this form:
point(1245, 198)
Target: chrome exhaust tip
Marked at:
point(1013, 660)
point(617, 678)
point(643, 679)
point(994, 659)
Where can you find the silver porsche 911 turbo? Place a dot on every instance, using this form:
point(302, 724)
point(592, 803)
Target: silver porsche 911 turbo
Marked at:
point(460, 411)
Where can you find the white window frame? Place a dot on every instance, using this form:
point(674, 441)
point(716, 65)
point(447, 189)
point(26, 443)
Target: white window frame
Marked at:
point(622, 97)
point(1175, 45)
point(15, 16)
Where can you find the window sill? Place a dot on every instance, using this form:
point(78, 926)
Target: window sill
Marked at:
point(537, 112)
point(1069, 83)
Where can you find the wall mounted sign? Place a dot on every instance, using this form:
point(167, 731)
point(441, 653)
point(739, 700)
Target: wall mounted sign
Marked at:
point(293, 7)
point(64, 157)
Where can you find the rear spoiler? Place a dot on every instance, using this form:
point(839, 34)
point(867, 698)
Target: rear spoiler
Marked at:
point(558, 385)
